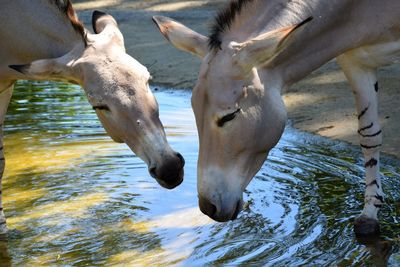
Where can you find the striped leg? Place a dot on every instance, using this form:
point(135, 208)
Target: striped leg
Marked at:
point(5, 96)
point(365, 88)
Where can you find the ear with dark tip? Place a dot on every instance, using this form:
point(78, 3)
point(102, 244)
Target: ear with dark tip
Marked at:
point(101, 20)
point(95, 17)
point(105, 23)
point(61, 68)
point(20, 68)
point(259, 50)
point(181, 36)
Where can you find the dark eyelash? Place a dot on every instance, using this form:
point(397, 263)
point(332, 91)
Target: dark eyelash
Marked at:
point(227, 118)
point(101, 107)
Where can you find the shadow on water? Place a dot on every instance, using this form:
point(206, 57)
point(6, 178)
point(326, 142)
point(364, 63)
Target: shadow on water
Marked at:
point(73, 197)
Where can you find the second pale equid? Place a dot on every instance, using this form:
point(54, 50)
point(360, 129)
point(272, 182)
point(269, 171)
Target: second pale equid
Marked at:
point(117, 87)
point(258, 48)
point(43, 40)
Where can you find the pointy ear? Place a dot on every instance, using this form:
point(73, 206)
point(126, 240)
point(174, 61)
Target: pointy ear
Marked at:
point(61, 68)
point(106, 25)
point(258, 51)
point(182, 37)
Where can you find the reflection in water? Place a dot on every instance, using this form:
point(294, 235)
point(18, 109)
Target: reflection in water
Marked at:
point(5, 259)
point(73, 197)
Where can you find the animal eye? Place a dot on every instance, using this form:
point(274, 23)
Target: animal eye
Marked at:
point(227, 118)
point(101, 107)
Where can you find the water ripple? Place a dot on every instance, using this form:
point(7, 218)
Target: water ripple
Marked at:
point(76, 198)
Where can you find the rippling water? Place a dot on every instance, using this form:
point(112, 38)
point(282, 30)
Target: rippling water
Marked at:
point(75, 198)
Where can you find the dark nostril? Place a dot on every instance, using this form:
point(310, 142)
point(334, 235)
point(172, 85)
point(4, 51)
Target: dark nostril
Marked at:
point(237, 210)
point(152, 172)
point(207, 207)
point(181, 158)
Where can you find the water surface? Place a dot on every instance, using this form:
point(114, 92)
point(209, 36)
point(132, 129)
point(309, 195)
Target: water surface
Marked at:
point(75, 198)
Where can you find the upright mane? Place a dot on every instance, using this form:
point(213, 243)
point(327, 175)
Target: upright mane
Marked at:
point(65, 6)
point(224, 20)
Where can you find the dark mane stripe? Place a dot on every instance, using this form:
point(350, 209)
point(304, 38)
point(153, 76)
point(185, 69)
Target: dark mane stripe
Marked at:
point(65, 6)
point(224, 20)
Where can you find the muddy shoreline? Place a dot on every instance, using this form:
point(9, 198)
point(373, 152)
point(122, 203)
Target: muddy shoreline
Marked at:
point(322, 103)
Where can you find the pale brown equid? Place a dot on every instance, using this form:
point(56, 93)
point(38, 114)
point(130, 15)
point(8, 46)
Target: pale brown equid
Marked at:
point(256, 49)
point(43, 40)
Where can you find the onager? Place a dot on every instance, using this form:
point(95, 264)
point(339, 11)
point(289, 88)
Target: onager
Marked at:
point(258, 48)
point(43, 40)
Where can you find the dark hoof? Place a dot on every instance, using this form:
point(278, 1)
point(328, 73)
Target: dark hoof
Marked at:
point(364, 226)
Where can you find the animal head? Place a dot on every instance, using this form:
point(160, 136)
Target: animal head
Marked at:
point(239, 112)
point(117, 87)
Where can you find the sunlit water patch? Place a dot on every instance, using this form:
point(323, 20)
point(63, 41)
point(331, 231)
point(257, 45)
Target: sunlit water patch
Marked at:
point(75, 198)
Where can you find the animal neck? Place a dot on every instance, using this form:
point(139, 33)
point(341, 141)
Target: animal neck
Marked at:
point(329, 35)
point(43, 29)
point(337, 26)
